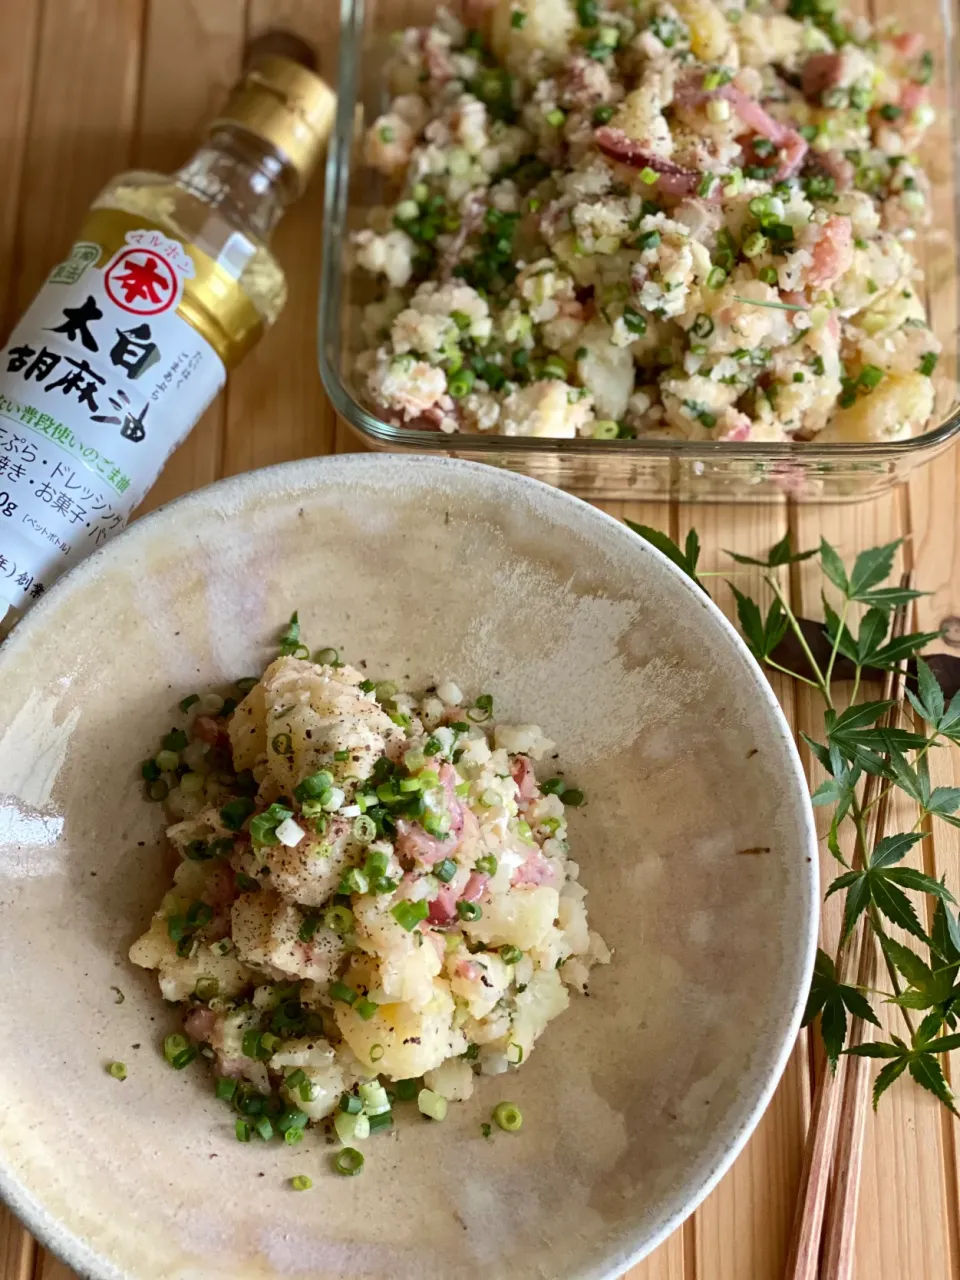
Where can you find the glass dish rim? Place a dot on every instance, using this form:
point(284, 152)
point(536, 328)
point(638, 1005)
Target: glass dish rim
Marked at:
point(336, 194)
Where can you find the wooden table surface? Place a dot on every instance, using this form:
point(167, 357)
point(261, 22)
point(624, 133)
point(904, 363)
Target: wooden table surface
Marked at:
point(91, 87)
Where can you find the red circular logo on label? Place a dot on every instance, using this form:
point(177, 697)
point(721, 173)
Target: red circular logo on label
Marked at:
point(142, 282)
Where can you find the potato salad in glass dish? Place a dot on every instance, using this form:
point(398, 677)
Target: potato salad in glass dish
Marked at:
point(687, 220)
point(373, 900)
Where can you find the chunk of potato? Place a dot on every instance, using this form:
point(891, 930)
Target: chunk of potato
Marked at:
point(523, 916)
point(894, 410)
point(399, 1041)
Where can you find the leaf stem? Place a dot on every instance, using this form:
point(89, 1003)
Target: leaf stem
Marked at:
point(794, 675)
point(820, 683)
point(836, 643)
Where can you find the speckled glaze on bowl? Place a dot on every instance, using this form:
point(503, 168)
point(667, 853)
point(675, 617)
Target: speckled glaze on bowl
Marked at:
point(636, 1100)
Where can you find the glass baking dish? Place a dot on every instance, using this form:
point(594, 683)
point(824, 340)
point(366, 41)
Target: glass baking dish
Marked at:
point(657, 469)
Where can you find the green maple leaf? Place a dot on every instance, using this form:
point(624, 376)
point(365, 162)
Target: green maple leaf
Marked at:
point(685, 558)
point(761, 634)
point(882, 882)
point(920, 1059)
point(780, 554)
point(832, 1000)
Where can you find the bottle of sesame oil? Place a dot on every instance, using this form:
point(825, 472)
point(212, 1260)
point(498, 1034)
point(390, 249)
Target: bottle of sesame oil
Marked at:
point(169, 284)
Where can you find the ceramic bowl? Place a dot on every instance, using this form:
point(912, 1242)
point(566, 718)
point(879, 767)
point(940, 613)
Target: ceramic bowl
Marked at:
point(635, 1101)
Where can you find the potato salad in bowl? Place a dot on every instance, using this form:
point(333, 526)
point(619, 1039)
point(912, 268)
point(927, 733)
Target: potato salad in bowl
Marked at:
point(678, 220)
point(373, 899)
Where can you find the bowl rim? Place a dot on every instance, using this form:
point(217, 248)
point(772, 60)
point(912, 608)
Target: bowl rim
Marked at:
point(625, 1248)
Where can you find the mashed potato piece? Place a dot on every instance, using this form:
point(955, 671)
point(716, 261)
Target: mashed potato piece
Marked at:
point(676, 218)
point(372, 887)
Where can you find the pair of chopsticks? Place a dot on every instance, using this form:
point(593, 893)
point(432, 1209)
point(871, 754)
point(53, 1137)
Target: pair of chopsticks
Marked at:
point(824, 1229)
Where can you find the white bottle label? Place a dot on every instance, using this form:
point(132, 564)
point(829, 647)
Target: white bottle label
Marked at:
point(99, 383)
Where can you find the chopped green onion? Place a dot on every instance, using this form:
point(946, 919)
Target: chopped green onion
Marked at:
point(486, 865)
point(553, 787)
point(510, 954)
point(367, 1009)
point(282, 744)
point(351, 1127)
point(928, 362)
point(175, 740)
point(433, 1105)
point(469, 910)
point(768, 275)
point(314, 787)
point(247, 884)
point(602, 115)
point(178, 1051)
point(293, 1136)
point(716, 277)
point(246, 683)
point(264, 1127)
point(301, 1182)
point(379, 1123)
point(717, 78)
point(189, 701)
point(555, 118)
point(150, 771)
point(635, 321)
point(406, 1090)
point(351, 1104)
point(376, 1052)
point(235, 812)
point(242, 1130)
point(118, 1070)
point(702, 326)
point(206, 988)
point(409, 914)
point(308, 927)
point(870, 376)
point(353, 881)
point(374, 1097)
point(263, 828)
point(508, 1116)
point(338, 919)
point(605, 429)
point(649, 176)
point(573, 797)
point(167, 761)
point(326, 657)
point(755, 244)
point(296, 1078)
point(226, 1088)
point(364, 829)
point(483, 707)
point(340, 991)
point(349, 1162)
point(459, 385)
point(445, 870)
point(648, 240)
point(292, 1118)
point(253, 1045)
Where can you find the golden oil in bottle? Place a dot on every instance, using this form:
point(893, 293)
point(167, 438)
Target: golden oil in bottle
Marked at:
point(169, 284)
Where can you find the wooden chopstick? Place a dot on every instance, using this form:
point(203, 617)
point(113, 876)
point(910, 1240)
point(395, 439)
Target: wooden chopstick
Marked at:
point(841, 1222)
point(835, 1137)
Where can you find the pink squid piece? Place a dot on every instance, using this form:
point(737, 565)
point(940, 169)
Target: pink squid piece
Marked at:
point(672, 180)
point(443, 908)
point(475, 886)
point(690, 94)
point(822, 71)
point(414, 844)
point(202, 1024)
point(536, 870)
point(525, 779)
point(833, 252)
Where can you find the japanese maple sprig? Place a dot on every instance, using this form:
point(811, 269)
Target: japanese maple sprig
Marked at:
point(855, 638)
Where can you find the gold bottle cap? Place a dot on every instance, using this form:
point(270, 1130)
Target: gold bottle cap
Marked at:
point(287, 106)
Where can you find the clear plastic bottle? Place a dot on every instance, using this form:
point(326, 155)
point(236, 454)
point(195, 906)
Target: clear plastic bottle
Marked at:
point(168, 286)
